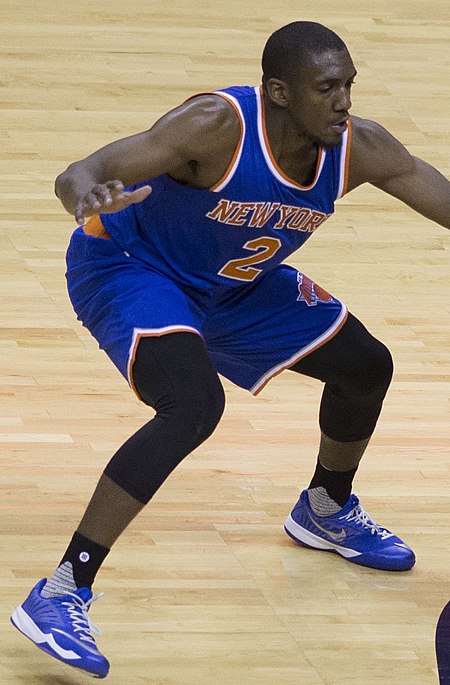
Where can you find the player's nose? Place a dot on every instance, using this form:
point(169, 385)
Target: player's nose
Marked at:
point(343, 101)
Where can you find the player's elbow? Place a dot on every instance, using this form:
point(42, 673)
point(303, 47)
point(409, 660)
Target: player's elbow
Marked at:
point(67, 187)
point(64, 180)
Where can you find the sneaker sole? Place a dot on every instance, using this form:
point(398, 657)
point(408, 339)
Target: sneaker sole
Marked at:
point(305, 537)
point(46, 642)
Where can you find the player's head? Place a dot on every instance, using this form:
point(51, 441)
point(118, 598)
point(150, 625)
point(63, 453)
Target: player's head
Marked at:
point(308, 71)
point(289, 50)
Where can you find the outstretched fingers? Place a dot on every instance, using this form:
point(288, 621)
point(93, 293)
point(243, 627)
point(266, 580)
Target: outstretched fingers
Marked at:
point(107, 198)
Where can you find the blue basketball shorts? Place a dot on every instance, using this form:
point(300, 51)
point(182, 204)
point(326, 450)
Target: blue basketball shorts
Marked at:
point(252, 332)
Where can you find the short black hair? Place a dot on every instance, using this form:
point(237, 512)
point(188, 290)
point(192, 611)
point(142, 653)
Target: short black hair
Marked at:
point(288, 49)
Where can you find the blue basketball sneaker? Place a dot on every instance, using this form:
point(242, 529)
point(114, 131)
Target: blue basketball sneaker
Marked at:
point(61, 627)
point(351, 533)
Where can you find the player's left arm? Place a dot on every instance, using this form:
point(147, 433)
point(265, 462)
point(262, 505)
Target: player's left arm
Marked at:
point(380, 159)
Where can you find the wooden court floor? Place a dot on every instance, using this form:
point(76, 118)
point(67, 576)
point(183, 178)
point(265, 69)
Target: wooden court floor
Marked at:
point(205, 588)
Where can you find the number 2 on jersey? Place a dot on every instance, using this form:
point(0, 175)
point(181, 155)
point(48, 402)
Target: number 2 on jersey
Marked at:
point(242, 269)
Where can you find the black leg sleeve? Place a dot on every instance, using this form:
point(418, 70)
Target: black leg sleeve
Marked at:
point(357, 370)
point(174, 375)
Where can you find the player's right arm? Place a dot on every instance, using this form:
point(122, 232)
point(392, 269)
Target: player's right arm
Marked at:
point(194, 143)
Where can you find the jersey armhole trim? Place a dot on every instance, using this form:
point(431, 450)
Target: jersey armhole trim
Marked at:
point(233, 165)
point(345, 161)
point(231, 169)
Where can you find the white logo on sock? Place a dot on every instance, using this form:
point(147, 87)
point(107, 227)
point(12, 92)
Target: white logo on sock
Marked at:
point(84, 557)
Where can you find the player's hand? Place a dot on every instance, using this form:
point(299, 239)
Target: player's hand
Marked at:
point(107, 198)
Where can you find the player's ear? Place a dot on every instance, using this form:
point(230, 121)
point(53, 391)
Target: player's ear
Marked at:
point(278, 91)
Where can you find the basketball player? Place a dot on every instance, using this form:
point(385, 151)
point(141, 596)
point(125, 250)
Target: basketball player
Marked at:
point(176, 269)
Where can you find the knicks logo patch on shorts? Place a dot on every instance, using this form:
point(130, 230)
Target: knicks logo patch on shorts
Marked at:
point(310, 292)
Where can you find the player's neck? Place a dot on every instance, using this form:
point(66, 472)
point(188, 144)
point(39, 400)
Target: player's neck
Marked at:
point(294, 153)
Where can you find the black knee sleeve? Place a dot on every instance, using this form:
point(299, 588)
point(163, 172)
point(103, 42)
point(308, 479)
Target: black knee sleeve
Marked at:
point(357, 370)
point(172, 374)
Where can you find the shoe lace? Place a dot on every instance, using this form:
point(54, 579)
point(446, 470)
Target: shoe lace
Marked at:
point(78, 609)
point(361, 517)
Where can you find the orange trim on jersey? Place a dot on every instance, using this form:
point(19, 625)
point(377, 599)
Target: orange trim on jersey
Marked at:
point(347, 157)
point(302, 356)
point(95, 228)
point(238, 146)
point(272, 158)
point(150, 335)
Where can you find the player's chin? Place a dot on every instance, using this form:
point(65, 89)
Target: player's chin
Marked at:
point(329, 139)
point(332, 139)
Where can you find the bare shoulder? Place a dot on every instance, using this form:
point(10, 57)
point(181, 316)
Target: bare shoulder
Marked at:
point(376, 155)
point(209, 109)
point(205, 123)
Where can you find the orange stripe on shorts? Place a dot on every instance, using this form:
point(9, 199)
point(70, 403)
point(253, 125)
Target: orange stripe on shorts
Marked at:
point(95, 228)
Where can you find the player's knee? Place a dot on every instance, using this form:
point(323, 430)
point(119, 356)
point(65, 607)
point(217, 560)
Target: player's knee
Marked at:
point(372, 371)
point(192, 412)
point(174, 375)
point(184, 419)
point(201, 411)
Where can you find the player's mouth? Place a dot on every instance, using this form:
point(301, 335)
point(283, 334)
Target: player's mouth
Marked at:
point(340, 126)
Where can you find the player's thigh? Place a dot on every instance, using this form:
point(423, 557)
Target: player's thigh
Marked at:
point(173, 373)
point(120, 300)
point(353, 360)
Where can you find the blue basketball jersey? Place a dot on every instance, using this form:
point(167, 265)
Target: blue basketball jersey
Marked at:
point(247, 223)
